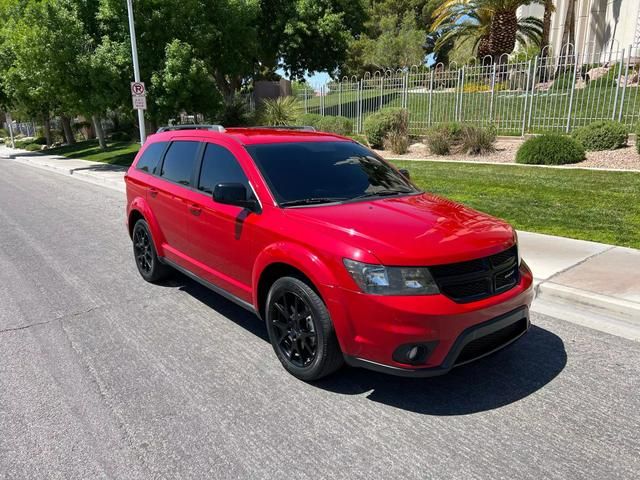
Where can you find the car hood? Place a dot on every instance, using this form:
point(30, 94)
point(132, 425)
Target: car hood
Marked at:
point(414, 230)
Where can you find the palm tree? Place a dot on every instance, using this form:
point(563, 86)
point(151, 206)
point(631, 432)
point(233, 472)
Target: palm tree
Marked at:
point(549, 8)
point(493, 25)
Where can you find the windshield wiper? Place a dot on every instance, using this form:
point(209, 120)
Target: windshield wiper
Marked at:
point(312, 201)
point(383, 193)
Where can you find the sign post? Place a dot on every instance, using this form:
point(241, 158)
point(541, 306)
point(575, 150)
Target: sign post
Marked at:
point(136, 74)
point(138, 96)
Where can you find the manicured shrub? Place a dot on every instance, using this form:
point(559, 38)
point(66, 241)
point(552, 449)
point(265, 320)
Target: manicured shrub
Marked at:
point(551, 149)
point(280, 111)
point(22, 143)
point(602, 135)
point(33, 147)
point(337, 125)
point(309, 120)
point(477, 140)
point(40, 141)
point(379, 124)
point(120, 137)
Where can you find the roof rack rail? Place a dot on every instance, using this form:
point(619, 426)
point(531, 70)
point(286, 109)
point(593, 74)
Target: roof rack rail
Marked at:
point(306, 128)
point(213, 128)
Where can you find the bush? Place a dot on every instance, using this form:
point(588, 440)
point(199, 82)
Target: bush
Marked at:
point(478, 140)
point(33, 147)
point(551, 149)
point(439, 142)
point(379, 124)
point(236, 113)
point(280, 111)
point(396, 142)
point(120, 137)
point(23, 143)
point(337, 125)
point(309, 120)
point(442, 138)
point(602, 135)
point(359, 138)
point(4, 133)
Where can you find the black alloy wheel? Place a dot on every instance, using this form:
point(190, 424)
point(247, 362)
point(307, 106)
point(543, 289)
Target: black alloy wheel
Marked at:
point(301, 330)
point(147, 261)
point(293, 324)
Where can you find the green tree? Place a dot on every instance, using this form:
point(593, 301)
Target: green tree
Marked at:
point(395, 36)
point(184, 83)
point(42, 45)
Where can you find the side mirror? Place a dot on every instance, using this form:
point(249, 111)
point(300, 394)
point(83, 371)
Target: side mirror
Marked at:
point(405, 173)
point(234, 194)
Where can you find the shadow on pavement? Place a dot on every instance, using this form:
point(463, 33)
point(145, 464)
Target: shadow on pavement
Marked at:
point(493, 382)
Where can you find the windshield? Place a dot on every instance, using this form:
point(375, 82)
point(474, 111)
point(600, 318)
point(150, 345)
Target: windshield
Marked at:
point(309, 173)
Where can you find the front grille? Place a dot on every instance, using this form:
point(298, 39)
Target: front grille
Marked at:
point(477, 279)
point(484, 345)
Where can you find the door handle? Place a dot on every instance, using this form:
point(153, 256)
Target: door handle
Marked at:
point(195, 210)
point(153, 192)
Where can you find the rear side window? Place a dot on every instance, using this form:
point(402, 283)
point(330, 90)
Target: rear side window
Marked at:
point(178, 162)
point(150, 159)
point(219, 165)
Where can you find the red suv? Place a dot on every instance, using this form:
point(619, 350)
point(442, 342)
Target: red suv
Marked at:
point(341, 255)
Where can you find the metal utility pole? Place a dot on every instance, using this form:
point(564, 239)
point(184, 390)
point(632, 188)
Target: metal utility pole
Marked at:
point(136, 66)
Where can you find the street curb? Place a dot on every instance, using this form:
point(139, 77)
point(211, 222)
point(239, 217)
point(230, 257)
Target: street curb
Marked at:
point(589, 299)
point(83, 176)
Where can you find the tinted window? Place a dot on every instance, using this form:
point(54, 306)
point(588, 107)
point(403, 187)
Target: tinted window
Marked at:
point(220, 166)
point(179, 160)
point(334, 171)
point(151, 157)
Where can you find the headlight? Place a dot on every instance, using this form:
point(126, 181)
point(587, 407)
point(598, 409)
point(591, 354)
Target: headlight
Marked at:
point(381, 280)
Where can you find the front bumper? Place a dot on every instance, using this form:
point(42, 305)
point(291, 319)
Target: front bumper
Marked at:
point(516, 322)
point(372, 329)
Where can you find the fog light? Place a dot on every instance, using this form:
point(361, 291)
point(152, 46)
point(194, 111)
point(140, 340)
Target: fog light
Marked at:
point(414, 353)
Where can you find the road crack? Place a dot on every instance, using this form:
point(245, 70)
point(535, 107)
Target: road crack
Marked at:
point(53, 320)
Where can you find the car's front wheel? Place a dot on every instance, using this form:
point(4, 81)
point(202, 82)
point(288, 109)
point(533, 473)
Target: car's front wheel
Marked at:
point(301, 331)
point(149, 266)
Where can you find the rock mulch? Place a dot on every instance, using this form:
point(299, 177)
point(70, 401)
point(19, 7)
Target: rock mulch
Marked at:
point(624, 158)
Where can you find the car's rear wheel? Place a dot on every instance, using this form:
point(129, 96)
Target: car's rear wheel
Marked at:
point(149, 266)
point(301, 331)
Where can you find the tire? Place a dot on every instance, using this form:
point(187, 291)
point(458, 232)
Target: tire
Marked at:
point(144, 253)
point(305, 342)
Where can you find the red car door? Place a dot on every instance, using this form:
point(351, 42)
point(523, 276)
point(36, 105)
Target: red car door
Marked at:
point(167, 196)
point(223, 238)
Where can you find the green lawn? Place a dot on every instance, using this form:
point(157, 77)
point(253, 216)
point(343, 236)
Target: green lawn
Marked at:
point(585, 204)
point(117, 153)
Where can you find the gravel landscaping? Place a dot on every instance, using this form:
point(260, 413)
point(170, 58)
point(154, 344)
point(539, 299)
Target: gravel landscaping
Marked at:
point(624, 158)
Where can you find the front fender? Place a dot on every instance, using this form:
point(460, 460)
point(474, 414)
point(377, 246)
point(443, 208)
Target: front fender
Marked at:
point(321, 273)
point(140, 205)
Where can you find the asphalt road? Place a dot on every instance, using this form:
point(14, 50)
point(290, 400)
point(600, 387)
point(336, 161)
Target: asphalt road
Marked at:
point(105, 376)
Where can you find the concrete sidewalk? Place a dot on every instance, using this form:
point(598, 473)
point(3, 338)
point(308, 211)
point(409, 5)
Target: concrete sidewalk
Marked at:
point(590, 283)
